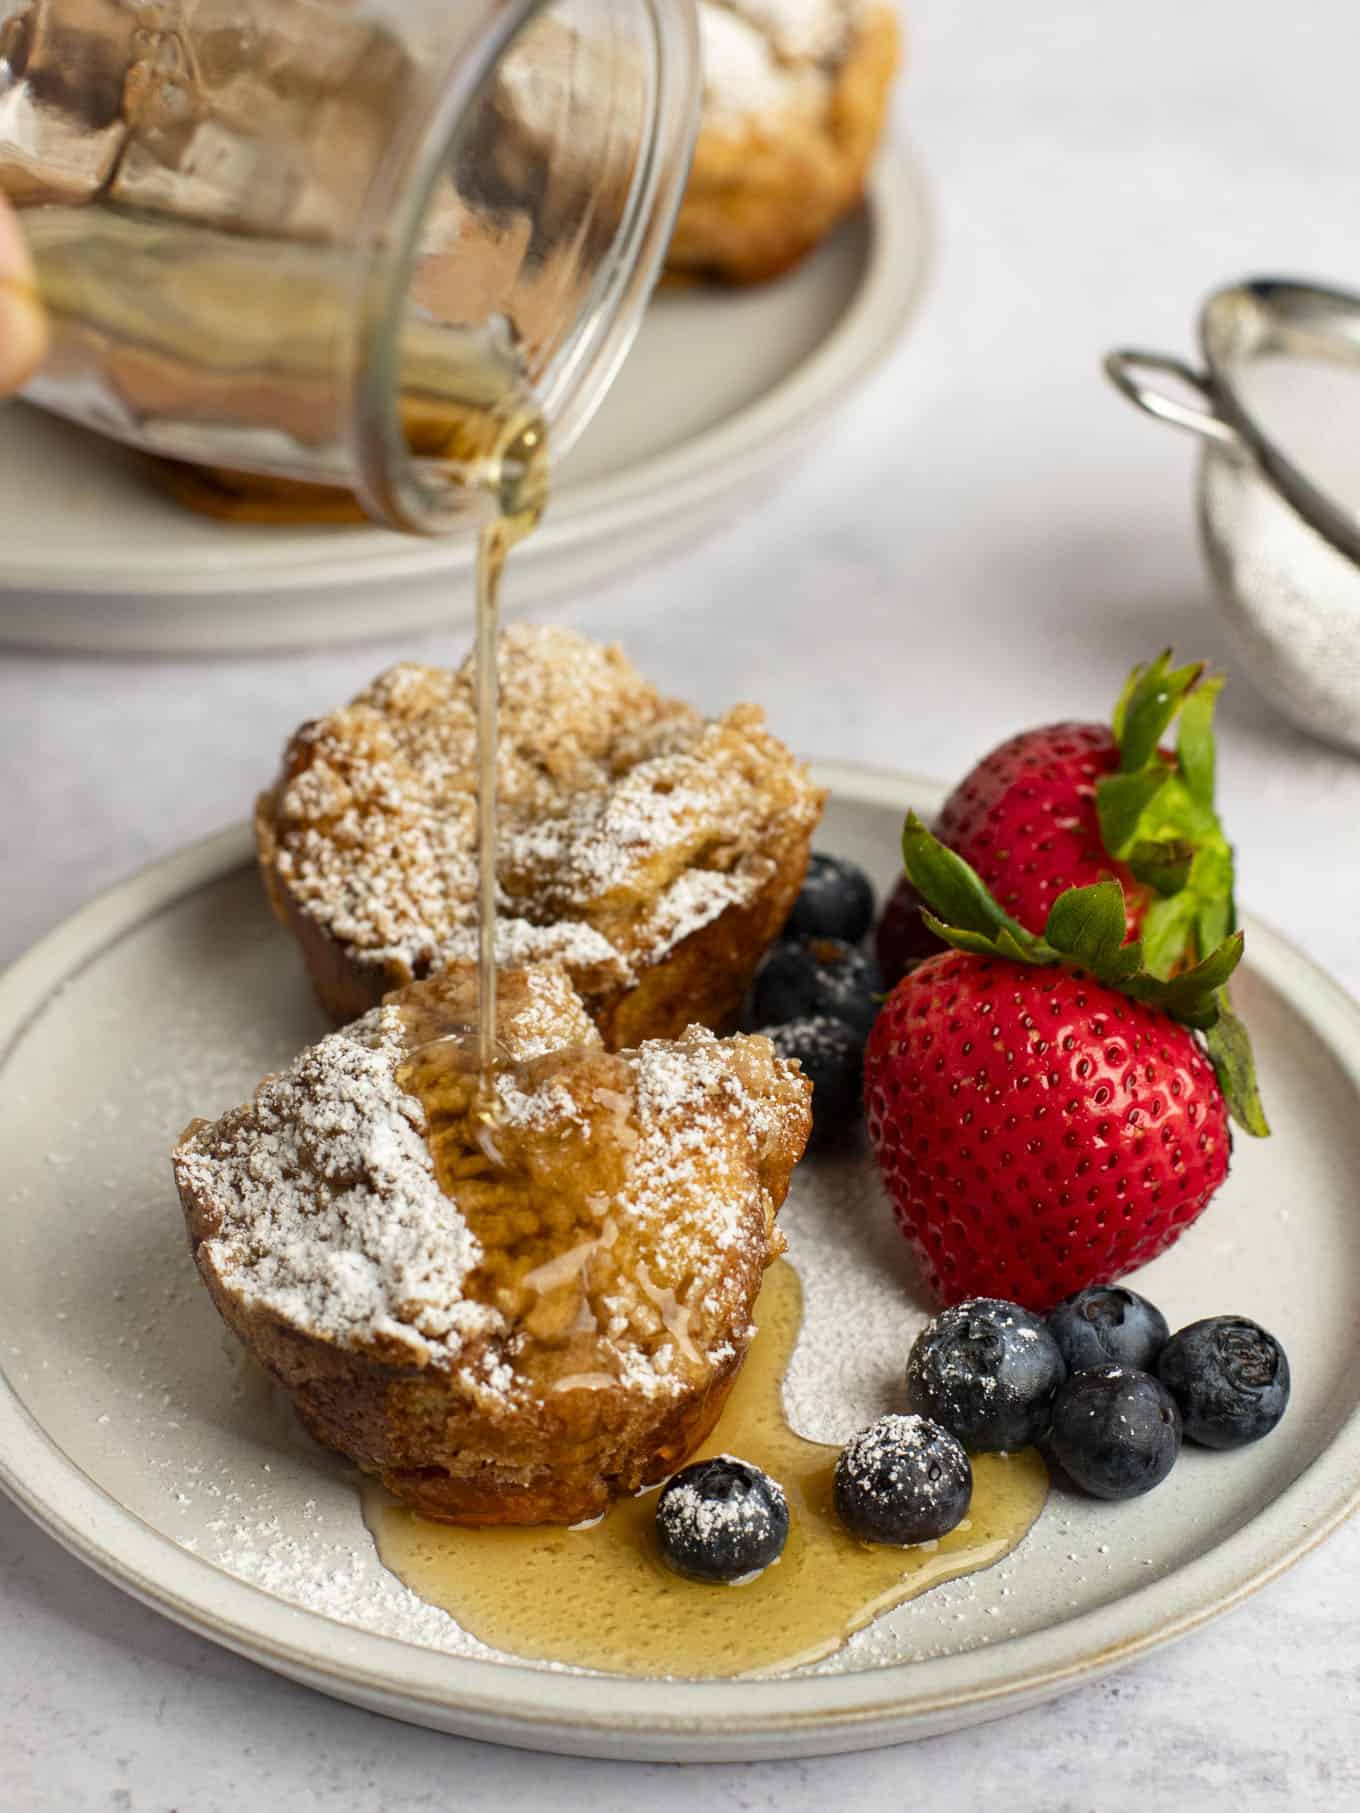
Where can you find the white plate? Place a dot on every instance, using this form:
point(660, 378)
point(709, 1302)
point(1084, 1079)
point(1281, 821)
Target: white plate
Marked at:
point(721, 389)
point(134, 1432)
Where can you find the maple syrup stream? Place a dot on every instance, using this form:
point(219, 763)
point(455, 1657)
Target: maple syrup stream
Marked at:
point(518, 483)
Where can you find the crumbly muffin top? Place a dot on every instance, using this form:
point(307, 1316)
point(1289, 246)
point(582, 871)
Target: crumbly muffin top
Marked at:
point(763, 58)
point(626, 820)
point(615, 1240)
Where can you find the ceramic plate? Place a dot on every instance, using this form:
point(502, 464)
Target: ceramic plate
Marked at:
point(133, 1430)
point(720, 390)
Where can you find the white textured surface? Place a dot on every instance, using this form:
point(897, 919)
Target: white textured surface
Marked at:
point(988, 537)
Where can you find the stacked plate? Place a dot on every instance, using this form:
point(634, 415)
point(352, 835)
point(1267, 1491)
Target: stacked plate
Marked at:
point(721, 389)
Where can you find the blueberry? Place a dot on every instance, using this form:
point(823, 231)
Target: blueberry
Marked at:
point(989, 1371)
point(837, 901)
point(832, 1056)
point(804, 978)
point(903, 938)
point(721, 1520)
point(1104, 1326)
point(903, 1479)
point(1230, 1378)
point(1116, 1431)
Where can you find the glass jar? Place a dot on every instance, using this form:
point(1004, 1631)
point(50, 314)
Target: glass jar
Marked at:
point(300, 237)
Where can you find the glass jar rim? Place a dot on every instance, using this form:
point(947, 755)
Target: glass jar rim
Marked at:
point(394, 487)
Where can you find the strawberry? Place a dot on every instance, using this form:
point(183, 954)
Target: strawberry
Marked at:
point(1037, 1132)
point(1025, 818)
point(1044, 1114)
point(1072, 804)
point(902, 937)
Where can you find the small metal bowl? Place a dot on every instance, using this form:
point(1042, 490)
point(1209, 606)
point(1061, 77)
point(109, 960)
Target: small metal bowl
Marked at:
point(1278, 408)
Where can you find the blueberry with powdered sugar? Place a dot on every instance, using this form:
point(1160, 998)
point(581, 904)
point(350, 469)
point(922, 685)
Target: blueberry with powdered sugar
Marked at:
point(902, 1480)
point(803, 977)
point(989, 1371)
point(721, 1521)
point(831, 1055)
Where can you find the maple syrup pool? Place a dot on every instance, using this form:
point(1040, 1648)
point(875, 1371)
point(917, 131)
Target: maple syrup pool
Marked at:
point(601, 1597)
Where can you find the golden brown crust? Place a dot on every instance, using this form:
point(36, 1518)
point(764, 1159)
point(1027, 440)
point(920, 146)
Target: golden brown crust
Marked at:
point(433, 1448)
point(368, 861)
point(616, 1252)
point(702, 981)
point(765, 189)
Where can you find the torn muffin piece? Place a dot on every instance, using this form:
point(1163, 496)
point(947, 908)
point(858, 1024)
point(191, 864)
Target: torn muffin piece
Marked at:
point(513, 1320)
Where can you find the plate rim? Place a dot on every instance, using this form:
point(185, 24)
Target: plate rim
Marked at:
point(608, 1715)
point(677, 483)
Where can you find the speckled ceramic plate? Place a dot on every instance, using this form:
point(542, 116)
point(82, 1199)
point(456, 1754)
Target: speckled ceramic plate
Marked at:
point(721, 389)
point(136, 1434)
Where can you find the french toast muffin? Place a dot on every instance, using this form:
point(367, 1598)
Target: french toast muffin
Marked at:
point(795, 97)
point(651, 852)
point(513, 1317)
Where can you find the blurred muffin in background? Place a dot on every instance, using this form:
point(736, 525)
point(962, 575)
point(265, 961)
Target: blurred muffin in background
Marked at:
point(795, 97)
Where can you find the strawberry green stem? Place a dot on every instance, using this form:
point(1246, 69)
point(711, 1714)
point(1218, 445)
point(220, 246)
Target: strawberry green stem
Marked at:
point(1085, 931)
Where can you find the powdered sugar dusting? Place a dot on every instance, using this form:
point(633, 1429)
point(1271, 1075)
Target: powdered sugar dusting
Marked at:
point(697, 897)
point(321, 1201)
point(329, 1211)
point(586, 952)
point(894, 1454)
point(766, 57)
point(661, 1265)
point(691, 1517)
point(799, 28)
point(327, 1575)
point(626, 821)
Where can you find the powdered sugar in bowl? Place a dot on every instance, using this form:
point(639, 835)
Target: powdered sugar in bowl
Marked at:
point(1278, 408)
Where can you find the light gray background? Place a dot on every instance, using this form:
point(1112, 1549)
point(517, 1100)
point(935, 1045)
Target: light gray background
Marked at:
point(989, 538)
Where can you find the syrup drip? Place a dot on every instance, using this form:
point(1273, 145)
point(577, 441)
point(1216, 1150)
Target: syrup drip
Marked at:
point(538, 1248)
point(601, 1597)
point(517, 478)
